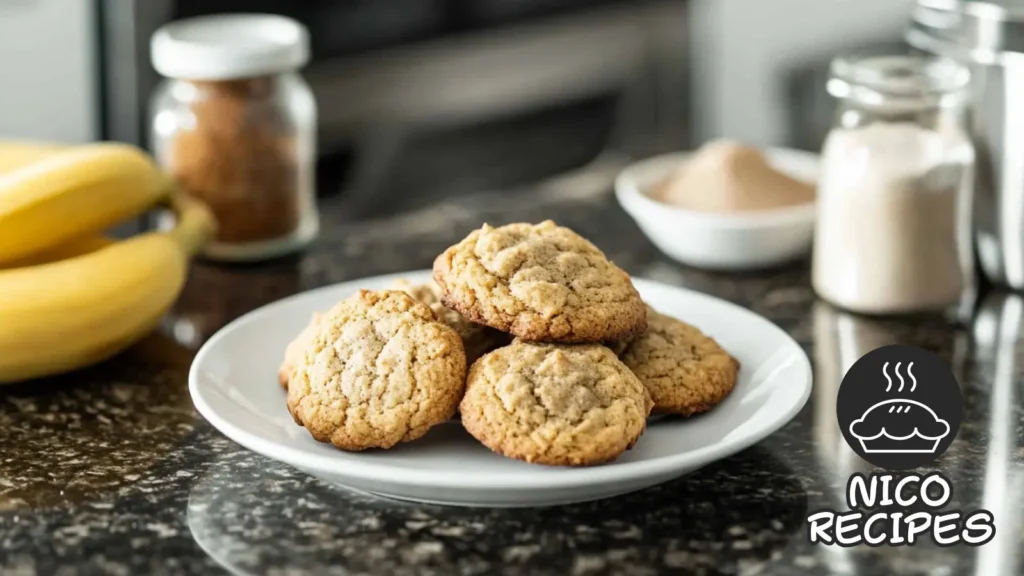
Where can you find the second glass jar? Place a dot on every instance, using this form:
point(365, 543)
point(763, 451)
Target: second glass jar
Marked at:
point(893, 234)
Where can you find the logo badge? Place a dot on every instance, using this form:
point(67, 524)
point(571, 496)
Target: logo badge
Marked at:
point(899, 407)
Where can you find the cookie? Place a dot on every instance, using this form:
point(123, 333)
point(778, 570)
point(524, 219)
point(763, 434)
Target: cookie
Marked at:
point(293, 353)
point(554, 404)
point(477, 339)
point(685, 371)
point(539, 282)
point(619, 346)
point(379, 370)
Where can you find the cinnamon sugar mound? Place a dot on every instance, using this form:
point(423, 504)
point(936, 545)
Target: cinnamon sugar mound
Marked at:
point(725, 176)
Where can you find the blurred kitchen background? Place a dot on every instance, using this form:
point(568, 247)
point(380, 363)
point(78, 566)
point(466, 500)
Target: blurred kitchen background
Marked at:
point(422, 99)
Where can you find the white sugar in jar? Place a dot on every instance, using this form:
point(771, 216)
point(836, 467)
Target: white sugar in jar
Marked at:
point(894, 198)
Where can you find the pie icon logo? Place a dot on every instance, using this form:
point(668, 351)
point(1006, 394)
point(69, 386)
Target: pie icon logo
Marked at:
point(899, 407)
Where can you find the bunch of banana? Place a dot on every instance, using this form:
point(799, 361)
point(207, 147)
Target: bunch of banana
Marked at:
point(69, 296)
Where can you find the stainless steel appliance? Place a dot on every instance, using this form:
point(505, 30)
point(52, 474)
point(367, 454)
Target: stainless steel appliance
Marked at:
point(989, 36)
point(424, 98)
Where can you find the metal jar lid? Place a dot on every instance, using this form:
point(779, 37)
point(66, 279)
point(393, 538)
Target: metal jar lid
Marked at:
point(981, 31)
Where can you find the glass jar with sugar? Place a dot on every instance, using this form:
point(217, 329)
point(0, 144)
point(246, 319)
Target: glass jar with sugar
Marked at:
point(893, 234)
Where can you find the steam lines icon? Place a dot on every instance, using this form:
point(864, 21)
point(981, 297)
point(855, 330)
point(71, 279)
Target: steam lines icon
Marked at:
point(913, 385)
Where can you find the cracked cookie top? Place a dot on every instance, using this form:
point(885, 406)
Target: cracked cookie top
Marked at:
point(539, 282)
point(477, 339)
point(685, 371)
point(554, 404)
point(379, 370)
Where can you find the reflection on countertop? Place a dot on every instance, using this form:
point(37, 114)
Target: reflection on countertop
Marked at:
point(681, 522)
point(111, 471)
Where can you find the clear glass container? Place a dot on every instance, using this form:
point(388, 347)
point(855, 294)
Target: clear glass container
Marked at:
point(893, 234)
point(235, 125)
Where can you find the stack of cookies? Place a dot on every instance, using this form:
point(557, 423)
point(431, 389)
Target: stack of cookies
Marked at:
point(538, 341)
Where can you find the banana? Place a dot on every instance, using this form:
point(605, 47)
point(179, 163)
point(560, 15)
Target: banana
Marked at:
point(69, 194)
point(15, 154)
point(70, 249)
point(75, 312)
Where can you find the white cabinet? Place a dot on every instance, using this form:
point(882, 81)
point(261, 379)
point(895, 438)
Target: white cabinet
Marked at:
point(49, 77)
point(742, 50)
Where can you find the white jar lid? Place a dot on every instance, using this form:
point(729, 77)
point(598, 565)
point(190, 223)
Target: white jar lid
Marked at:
point(229, 46)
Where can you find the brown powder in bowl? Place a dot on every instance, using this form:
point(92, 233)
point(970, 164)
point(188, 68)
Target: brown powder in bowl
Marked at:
point(727, 177)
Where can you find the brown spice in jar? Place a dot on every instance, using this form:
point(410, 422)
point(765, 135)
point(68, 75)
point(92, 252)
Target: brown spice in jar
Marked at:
point(240, 158)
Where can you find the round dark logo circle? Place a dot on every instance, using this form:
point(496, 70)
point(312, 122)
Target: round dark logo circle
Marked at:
point(899, 407)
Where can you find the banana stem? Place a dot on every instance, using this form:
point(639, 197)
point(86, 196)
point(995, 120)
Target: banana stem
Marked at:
point(195, 223)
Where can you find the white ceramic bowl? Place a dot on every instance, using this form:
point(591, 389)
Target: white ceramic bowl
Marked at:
point(714, 240)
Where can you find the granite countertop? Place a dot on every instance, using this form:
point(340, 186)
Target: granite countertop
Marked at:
point(110, 470)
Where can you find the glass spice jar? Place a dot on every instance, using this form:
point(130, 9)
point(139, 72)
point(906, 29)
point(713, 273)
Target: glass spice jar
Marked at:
point(893, 234)
point(235, 125)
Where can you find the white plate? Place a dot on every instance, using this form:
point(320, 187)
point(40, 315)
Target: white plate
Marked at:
point(233, 382)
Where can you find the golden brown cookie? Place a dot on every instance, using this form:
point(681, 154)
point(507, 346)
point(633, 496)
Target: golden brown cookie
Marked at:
point(293, 353)
point(477, 339)
point(685, 371)
point(539, 282)
point(554, 404)
point(379, 370)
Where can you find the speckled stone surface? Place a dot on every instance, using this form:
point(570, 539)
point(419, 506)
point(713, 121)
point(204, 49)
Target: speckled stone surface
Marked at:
point(111, 471)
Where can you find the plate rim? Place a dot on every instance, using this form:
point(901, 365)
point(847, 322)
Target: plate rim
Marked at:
point(350, 466)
